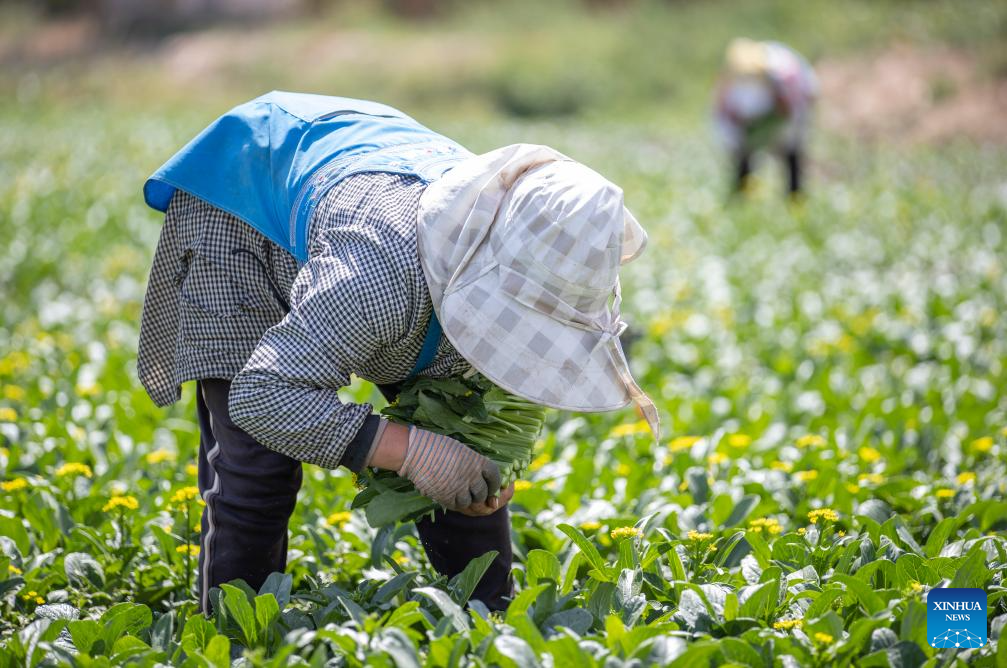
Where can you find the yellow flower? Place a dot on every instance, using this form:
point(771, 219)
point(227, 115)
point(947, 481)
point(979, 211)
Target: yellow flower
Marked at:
point(74, 469)
point(33, 597)
point(4, 452)
point(852, 488)
point(14, 570)
point(806, 476)
point(916, 586)
point(539, 462)
point(629, 429)
point(590, 525)
point(786, 467)
point(739, 440)
point(944, 493)
point(840, 534)
point(810, 441)
point(622, 470)
point(339, 519)
point(401, 559)
point(682, 486)
point(7, 414)
point(823, 514)
point(125, 502)
point(802, 531)
point(698, 535)
point(625, 532)
point(717, 458)
point(191, 469)
point(823, 638)
point(184, 495)
point(965, 478)
point(683, 443)
point(869, 454)
point(984, 444)
point(787, 624)
point(15, 485)
point(771, 525)
point(189, 549)
point(522, 485)
point(159, 456)
point(89, 390)
point(13, 392)
point(871, 478)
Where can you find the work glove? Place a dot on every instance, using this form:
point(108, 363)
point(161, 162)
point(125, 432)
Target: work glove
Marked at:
point(447, 471)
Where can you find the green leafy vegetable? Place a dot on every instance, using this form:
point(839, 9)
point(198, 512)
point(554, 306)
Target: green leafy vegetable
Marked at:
point(473, 410)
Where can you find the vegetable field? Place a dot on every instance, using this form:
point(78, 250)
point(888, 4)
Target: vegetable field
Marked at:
point(831, 375)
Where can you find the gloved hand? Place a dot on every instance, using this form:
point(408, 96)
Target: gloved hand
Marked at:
point(449, 472)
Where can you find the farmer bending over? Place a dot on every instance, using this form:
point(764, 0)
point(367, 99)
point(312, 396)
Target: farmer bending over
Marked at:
point(764, 101)
point(308, 238)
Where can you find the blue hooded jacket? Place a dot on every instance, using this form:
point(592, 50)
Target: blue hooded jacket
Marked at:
point(269, 161)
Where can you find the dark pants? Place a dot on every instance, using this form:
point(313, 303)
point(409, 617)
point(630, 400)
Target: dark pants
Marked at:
point(250, 492)
point(793, 162)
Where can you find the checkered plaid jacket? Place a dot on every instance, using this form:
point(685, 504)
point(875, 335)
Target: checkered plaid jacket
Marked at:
point(225, 302)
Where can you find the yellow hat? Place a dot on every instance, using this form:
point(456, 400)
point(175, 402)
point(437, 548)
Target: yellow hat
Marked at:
point(747, 57)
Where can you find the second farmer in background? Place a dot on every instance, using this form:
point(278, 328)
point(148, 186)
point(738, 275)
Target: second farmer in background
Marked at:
point(764, 102)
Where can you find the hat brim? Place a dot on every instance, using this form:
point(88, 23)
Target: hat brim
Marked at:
point(528, 353)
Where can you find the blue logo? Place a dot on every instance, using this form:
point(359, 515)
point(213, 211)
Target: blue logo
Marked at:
point(956, 618)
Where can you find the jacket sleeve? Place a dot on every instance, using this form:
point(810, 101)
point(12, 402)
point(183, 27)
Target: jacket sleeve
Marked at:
point(286, 396)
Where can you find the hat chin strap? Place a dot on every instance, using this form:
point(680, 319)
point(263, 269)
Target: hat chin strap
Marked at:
point(610, 339)
point(610, 327)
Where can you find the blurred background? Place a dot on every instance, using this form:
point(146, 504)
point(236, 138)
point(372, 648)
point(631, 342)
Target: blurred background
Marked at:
point(900, 70)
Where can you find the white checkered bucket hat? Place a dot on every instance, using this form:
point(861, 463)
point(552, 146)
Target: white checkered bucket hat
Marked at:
point(521, 249)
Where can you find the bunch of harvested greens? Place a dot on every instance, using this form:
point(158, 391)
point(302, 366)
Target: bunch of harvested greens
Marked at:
point(473, 410)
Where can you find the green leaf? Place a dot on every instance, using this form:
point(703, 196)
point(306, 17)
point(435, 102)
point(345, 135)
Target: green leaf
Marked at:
point(234, 602)
point(463, 584)
point(875, 509)
point(394, 642)
point(589, 551)
point(218, 651)
point(939, 536)
point(972, 572)
point(163, 631)
point(124, 619)
point(519, 606)
point(127, 647)
point(599, 604)
point(448, 607)
point(197, 633)
point(740, 652)
point(731, 607)
point(910, 568)
point(761, 600)
point(13, 528)
point(742, 509)
point(577, 620)
point(696, 478)
point(517, 650)
point(823, 602)
point(84, 633)
point(83, 570)
point(542, 565)
point(698, 654)
point(859, 591)
point(279, 585)
point(394, 586)
point(913, 626)
point(267, 609)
